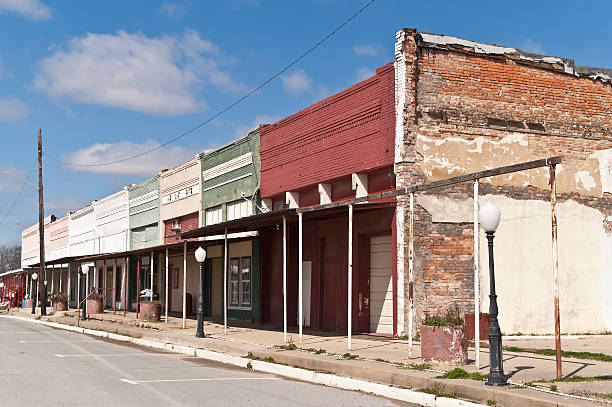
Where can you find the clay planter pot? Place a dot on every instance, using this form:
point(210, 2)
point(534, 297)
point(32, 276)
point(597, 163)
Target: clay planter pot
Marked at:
point(59, 305)
point(28, 303)
point(150, 311)
point(94, 306)
point(446, 344)
point(484, 326)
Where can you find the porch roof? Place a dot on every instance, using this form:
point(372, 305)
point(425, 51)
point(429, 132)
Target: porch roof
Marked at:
point(262, 220)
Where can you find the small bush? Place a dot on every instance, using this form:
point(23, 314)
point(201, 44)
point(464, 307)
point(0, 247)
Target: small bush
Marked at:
point(451, 318)
point(458, 373)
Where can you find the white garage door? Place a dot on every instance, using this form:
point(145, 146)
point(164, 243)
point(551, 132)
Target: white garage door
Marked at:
point(381, 286)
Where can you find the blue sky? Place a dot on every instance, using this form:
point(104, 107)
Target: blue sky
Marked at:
point(108, 79)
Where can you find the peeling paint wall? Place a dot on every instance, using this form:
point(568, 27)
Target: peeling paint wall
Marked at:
point(471, 107)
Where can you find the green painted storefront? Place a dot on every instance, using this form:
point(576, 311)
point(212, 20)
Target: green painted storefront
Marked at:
point(230, 179)
point(144, 214)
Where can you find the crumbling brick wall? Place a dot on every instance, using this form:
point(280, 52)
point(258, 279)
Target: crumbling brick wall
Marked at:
point(469, 107)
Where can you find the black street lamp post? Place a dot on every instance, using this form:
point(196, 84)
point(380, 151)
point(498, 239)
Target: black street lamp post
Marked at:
point(489, 220)
point(200, 255)
point(34, 297)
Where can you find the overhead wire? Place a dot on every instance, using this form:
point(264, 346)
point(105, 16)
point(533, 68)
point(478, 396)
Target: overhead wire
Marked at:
point(232, 105)
point(26, 181)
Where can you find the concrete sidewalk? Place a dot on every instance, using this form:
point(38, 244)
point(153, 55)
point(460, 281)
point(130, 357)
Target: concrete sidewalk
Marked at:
point(378, 357)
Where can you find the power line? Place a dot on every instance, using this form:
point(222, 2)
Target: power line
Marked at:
point(235, 103)
point(25, 182)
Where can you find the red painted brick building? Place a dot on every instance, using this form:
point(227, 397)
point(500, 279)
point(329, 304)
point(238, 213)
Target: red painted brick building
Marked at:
point(335, 149)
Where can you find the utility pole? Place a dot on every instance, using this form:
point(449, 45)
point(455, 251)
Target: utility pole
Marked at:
point(41, 232)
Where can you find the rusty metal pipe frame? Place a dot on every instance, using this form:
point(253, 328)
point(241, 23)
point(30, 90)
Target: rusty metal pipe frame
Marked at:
point(476, 277)
point(350, 276)
point(555, 264)
point(410, 275)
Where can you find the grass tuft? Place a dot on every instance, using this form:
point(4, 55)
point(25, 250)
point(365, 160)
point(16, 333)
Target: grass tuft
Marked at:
point(458, 373)
point(438, 392)
point(350, 356)
point(420, 366)
point(577, 355)
point(491, 402)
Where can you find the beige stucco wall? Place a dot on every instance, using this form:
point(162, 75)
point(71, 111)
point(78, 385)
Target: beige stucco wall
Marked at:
point(174, 180)
point(523, 262)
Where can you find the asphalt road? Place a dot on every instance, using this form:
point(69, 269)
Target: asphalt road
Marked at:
point(44, 366)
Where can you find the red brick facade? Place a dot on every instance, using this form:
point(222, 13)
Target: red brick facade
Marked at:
point(188, 222)
point(352, 131)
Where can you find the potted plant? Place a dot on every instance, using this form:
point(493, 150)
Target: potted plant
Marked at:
point(94, 304)
point(60, 302)
point(444, 338)
point(150, 310)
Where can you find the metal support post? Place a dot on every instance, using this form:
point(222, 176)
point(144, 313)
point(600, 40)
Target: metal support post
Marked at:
point(555, 261)
point(350, 276)
point(476, 277)
point(284, 279)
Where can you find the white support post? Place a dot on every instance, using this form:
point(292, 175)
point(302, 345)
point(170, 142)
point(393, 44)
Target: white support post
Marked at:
point(350, 276)
point(166, 297)
point(151, 268)
point(410, 275)
point(184, 284)
point(285, 279)
point(476, 277)
point(69, 279)
point(225, 254)
point(52, 278)
point(95, 274)
point(300, 283)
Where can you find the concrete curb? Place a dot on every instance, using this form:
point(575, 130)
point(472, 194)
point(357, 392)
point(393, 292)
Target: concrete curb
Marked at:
point(295, 373)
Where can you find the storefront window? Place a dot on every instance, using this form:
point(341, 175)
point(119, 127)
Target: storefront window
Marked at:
point(240, 282)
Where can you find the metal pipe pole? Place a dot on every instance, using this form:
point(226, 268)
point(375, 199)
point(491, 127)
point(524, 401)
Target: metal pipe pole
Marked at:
point(476, 277)
point(152, 267)
point(184, 284)
point(166, 296)
point(104, 286)
point(124, 288)
point(225, 255)
point(114, 288)
point(284, 279)
point(555, 261)
point(138, 288)
point(350, 276)
point(410, 275)
point(300, 282)
point(69, 283)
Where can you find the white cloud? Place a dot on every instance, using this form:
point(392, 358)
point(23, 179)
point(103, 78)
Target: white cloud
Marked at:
point(13, 110)
point(155, 75)
point(364, 73)
point(530, 45)
point(366, 50)
point(30, 9)
point(297, 82)
point(259, 119)
point(172, 9)
point(147, 165)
